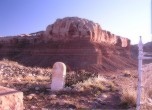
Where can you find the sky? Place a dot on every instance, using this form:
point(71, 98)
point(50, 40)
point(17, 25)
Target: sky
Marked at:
point(127, 18)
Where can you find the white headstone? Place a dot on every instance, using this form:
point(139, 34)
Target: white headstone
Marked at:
point(58, 76)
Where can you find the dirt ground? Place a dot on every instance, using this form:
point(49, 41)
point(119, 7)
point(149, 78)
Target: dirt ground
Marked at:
point(35, 84)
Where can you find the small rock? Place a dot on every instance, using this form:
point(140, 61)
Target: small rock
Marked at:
point(127, 75)
point(72, 106)
point(7, 85)
point(18, 79)
point(104, 96)
point(67, 89)
point(61, 102)
point(33, 107)
point(42, 93)
point(52, 96)
point(30, 96)
point(149, 101)
point(48, 90)
point(30, 75)
point(37, 88)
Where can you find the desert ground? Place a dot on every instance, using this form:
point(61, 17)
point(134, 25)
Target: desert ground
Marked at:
point(83, 90)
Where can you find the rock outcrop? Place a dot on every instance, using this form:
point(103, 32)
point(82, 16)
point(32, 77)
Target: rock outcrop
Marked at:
point(77, 42)
point(77, 28)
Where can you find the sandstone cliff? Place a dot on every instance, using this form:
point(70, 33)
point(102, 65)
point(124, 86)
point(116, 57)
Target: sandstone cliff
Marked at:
point(77, 28)
point(78, 42)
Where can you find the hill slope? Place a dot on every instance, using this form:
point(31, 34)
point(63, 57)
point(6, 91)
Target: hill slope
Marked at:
point(146, 48)
point(79, 43)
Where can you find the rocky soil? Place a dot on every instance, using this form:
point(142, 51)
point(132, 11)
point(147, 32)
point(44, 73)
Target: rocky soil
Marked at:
point(35, 84)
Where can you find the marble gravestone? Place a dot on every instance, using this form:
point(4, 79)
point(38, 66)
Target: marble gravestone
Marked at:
point(58, 76)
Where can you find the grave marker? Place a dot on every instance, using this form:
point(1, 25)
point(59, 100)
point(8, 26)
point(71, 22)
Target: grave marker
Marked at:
point(58, 76)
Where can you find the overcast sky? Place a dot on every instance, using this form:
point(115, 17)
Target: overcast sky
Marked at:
point(127, 18)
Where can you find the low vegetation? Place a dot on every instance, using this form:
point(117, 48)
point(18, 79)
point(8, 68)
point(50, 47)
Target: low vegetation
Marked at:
point(129, 97)
point(82, 90)
point(94, 85)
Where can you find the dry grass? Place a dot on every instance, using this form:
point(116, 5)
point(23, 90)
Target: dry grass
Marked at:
point(82, 82)
point(129, 92)
point(16, 64)
point(95, 85)
point(147, 94)
point(19, 77)
point(129, 96)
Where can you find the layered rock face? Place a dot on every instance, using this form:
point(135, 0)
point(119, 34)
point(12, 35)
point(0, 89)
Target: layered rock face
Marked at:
point(77, 42)
point(77, 28)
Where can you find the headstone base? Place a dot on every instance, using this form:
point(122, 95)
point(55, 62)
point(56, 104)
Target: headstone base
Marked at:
point(10, 99)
